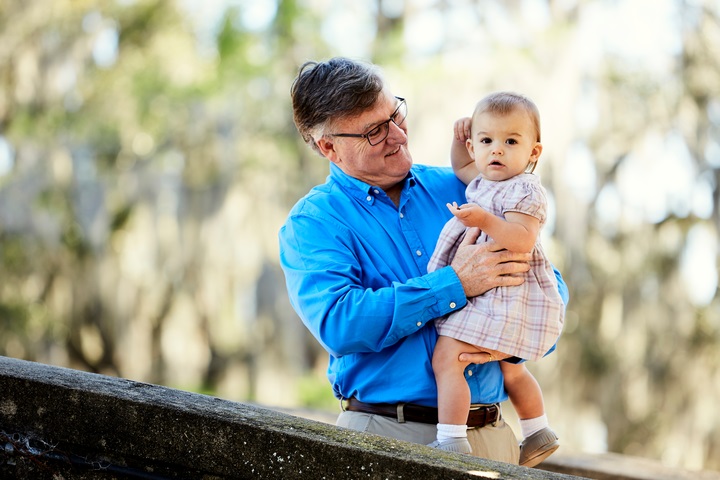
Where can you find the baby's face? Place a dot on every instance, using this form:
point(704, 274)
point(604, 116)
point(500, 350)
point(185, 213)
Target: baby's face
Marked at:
point(503, 145)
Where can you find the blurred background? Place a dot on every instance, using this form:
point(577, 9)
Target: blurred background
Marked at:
point(148, 158)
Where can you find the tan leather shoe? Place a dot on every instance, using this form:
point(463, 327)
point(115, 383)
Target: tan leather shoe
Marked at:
point(537, 447)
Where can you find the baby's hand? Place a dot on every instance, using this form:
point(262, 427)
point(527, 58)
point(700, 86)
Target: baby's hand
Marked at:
point(462, 129)
point(465, 212)
point(455, 208)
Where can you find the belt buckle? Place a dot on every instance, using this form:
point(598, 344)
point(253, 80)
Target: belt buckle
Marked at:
point(486, 413)
point(496, 407)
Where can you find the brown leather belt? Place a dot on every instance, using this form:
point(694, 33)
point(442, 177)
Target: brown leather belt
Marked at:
point(478, 417)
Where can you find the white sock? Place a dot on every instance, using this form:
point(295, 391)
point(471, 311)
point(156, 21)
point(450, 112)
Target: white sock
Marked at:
point(533, 425)
point(447, 431)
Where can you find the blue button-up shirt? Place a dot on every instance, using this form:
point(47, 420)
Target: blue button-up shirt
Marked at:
point(356, 273)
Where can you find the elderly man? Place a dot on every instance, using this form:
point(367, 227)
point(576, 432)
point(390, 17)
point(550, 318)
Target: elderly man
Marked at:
point(355, 251)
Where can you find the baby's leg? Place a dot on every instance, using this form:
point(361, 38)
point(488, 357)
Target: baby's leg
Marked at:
point(539, 441)
point(524, 391)
point(453, 395)
point(453, 390)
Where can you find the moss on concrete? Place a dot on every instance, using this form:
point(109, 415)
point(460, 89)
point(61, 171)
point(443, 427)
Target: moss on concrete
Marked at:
point(61, 423)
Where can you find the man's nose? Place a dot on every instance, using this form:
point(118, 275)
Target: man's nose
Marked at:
point(398, 134)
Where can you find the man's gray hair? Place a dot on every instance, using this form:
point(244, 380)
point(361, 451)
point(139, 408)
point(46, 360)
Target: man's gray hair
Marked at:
point(324, 92)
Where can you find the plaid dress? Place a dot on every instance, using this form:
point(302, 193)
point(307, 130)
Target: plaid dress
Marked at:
point(524, 321)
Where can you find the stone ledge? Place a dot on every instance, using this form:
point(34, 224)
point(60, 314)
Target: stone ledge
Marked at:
point(595, 466)
point(614, 466)
point(61, 423)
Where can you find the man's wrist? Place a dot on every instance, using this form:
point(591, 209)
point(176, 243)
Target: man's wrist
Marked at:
point(452, 297)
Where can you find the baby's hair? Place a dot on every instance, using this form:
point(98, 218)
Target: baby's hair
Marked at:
point(503, 103)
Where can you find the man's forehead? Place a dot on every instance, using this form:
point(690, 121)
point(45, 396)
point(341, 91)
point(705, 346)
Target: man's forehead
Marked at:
point(378, 113)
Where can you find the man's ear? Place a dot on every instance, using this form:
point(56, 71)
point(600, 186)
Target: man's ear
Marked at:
point(327, 148)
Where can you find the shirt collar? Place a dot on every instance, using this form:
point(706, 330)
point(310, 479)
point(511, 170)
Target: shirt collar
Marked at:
point(360, 189)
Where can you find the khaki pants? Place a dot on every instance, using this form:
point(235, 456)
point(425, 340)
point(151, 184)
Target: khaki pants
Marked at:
point(494, 442)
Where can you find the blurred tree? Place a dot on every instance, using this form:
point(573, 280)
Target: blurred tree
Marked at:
point(148, 156)
point(637, 340)
point(155, 160)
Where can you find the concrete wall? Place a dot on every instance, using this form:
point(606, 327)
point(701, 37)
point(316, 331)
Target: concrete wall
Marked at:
point(58, 423)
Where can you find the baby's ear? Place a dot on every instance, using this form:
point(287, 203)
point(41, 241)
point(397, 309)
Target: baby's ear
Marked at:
point(536, 152)
point(534, 157)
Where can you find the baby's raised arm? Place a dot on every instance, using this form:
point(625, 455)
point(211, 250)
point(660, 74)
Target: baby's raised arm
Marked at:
point(460, 159)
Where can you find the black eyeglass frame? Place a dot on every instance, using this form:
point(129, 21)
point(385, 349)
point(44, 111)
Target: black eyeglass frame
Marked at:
point(386, 124)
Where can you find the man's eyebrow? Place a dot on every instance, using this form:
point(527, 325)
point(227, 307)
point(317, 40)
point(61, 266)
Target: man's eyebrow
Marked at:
point(372, 125)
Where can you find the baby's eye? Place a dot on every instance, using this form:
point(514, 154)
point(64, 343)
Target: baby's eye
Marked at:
point(511, 141)
point(486, 140)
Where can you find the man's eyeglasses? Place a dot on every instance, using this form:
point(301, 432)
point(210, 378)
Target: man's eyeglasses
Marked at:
point(381, 131)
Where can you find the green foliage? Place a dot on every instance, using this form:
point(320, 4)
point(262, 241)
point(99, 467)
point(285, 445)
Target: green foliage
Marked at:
point(15, 317)
point(193, 161)
point(315, 393)
point(14, 255)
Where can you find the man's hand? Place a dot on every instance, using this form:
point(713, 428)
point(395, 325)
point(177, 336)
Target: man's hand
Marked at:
point(486, 266)
point(482, 357)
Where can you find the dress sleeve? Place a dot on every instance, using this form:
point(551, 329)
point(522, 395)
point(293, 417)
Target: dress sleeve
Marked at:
point(526, 197)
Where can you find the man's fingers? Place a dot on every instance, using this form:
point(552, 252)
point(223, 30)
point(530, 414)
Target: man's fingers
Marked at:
point(513, 268)
point(471, 236)
point(482, 357)
point(486, 266)
point(479, 358)
point(491, 246)
point(510, 280)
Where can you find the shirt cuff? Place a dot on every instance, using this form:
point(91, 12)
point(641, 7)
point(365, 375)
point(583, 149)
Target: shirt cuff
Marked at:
point(449, 293)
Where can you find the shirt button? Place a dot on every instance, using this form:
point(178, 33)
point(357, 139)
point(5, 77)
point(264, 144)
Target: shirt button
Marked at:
point(418, 253)
point(419, 324)
point(453, 304)
point(402, 216)
point(469, 373)
point(368, 198)
point(376, 191)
